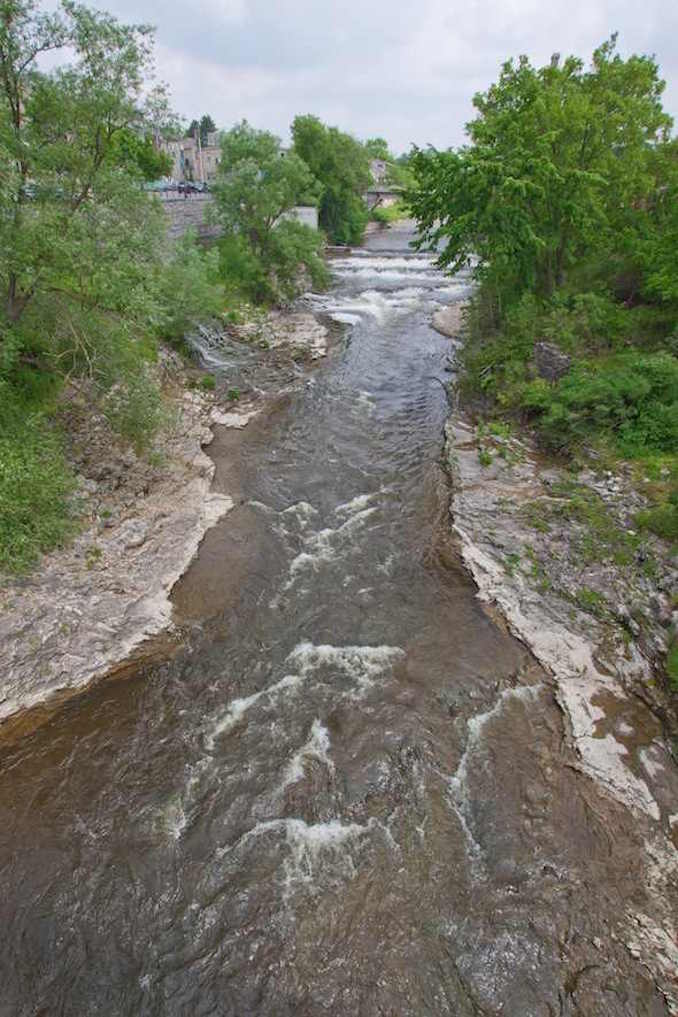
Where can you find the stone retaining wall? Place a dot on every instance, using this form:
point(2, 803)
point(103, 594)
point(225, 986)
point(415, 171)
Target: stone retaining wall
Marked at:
point(191, 212)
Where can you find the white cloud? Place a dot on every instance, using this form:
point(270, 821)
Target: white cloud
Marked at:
point(406, 71)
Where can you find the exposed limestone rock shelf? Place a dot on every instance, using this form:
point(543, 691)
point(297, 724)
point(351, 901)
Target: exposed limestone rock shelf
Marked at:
point(601, 665)
point(89, 606)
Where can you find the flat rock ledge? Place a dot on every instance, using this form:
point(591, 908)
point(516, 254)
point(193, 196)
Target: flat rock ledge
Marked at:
point(602, 679)
point(91, 606)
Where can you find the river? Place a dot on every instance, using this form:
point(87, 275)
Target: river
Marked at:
point(350, 793)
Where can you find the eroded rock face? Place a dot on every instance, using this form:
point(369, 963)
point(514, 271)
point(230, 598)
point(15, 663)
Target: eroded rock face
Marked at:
point(90, 606)
point(595, 626)
point(550, 361)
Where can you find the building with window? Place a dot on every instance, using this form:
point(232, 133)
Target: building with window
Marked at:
point(191, 161)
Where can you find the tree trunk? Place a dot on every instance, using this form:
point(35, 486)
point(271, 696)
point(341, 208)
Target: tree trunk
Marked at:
point(15, 302)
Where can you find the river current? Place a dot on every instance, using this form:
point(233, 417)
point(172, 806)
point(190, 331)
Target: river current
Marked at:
point(350, 792)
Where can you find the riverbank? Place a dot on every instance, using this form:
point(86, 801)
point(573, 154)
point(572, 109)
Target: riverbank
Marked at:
point(103, 603)
point(554, 554)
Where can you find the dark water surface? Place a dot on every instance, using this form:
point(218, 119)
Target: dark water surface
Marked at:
point(350, 794)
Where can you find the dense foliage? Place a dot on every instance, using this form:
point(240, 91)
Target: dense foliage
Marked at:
point(259, 185)
point(565, 205)
point(83, 259)
point(342, 166)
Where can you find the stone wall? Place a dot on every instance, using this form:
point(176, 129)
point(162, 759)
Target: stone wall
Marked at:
point(191, 212)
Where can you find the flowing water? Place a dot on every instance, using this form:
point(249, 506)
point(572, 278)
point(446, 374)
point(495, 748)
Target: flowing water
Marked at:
point(350, 793)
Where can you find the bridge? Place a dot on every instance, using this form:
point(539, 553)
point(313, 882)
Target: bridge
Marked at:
point(382, 196)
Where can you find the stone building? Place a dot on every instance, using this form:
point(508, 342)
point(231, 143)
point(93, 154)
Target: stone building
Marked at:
point(191, 161)
point(379, 170)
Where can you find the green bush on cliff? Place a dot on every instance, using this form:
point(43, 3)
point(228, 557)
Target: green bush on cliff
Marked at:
point(188, 288)
point(86, 283)
point(36, 485)
point(629, 398)
point(564, 204)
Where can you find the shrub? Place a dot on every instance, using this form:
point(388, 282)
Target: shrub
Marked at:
point(277, 273)
point(391, 213)
point(661, 519)
point(188, 288)
point(136, 410)
point(630, 397)
point(36, 485)
point(672, 665)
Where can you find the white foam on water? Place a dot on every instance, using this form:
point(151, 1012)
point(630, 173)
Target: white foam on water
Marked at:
point(384, 265)
point(315, 844)
point(361, 663)
point(374, 275)
point(366, 401)
point(261, 506)
point(326, 544)
point(295, 518)
point(374, 303)
point(317, 747)
point(458, 782)
point(357, 504)
point(311, 846)
point(237, 708)
point(343, 318)
point(175, 816)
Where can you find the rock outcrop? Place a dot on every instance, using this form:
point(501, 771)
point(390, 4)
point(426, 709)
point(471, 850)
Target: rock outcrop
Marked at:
point(528, 536)
point(92, 605)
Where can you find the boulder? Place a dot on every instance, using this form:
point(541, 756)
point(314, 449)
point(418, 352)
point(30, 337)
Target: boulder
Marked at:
point(550, 361)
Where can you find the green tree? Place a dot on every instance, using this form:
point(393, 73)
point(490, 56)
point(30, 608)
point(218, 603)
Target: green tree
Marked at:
point(138, 153)
point(377, 148)
point(342, 165)
point(257, 187)
point(556, 166)
point(653, 242)
point(74, 219)
point(201, 127)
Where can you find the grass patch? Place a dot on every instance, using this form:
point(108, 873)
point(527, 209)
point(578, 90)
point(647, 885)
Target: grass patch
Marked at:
point(591, 601)
point(661, 520)
point(389, 214)
point(36, 486)
point(598, 538)
point(672, 665)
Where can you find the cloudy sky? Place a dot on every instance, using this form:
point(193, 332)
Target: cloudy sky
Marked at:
point(403, 69)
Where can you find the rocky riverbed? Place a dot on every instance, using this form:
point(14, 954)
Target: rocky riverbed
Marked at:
point(103, 602)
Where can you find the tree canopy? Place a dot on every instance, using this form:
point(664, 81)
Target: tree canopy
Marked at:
point(203, 127)
point(557, 164)
point(257, 187)
point(342, 165)
point(74, 217)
